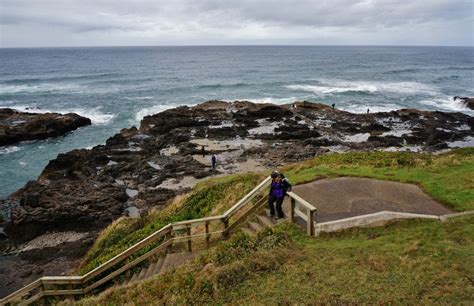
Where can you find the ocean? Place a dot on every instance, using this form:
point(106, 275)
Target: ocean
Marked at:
point(117, 86)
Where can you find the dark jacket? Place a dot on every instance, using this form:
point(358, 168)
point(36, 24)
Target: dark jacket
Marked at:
point(285, 185)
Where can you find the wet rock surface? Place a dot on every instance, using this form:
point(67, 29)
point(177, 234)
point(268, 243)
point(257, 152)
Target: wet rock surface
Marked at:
point(143, 168)
point(18, 126)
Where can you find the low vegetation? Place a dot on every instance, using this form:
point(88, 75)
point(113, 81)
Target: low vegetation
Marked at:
point(208, 198)
point(410, 262)
point(404, 263)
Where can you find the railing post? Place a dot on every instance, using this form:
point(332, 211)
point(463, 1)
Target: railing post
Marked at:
point(292, 209)
point(225, 223)
point(309, 225)
point(208, 236)
point(188, 231)
point(169, 236)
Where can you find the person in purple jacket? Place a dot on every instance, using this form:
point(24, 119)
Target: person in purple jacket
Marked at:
point(278, 190)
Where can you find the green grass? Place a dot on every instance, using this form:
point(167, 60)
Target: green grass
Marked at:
point(409, 262)
point(448, 178)
point(211, 197)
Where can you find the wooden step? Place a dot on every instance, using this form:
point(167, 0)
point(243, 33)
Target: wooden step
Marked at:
point(134, 278)
point(265, 221)
point(142, 274)
point(173, 261)
point(150, 270)
point(158, 266)
point(247, 231)
point(255, 226)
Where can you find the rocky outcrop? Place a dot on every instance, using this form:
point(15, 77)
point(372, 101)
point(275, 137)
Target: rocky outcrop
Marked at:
point(145, 167)
point(18, 126)
point(468, 102)
point(142, 168)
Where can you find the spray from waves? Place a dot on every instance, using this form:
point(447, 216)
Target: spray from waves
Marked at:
point(446, 103)
point(154, 110)
point(96, 116)
point(9, 149)
point(328, 87)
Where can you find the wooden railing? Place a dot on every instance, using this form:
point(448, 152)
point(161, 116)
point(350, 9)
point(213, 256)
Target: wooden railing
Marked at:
point(194, 234)
point(301, 208)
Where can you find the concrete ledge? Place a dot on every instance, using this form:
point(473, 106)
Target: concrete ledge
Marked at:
point(369, 220)
point(444, 218)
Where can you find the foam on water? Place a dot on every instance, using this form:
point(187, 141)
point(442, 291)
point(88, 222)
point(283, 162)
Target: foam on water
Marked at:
point(153, 110)
point(446, 103)
point(9, 149)
point(39, 88)
point(96, 116)
point(329, 87)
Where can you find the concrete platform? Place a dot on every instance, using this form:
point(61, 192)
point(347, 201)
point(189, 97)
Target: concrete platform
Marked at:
point(347, 197)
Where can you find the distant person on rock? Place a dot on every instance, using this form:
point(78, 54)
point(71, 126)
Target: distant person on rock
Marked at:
point(203, 151)
point(333, 105)
point(278, 189)
point(368, 111)
point(213, 162)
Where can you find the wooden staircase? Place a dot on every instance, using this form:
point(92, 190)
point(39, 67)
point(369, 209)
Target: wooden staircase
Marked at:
point(258, 222)
point(167, 248)
point(162, 265)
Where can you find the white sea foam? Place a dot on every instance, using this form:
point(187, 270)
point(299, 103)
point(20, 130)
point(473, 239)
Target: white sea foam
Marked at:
point(446, 103)
point(359, 109)
point(9, 149)
point(152, 110)
point(46, 87)
point(267, 100)
point(328, 87)
point(96, 116)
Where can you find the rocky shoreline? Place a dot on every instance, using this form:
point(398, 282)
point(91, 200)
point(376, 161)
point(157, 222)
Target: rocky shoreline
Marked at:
point(16, 126)
point(83, 191)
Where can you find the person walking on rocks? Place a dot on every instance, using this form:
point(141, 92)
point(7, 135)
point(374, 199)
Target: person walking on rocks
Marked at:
point(278, 189)
point(213, 162)
point(203, 151)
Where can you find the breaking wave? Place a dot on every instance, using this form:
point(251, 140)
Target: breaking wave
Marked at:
point(328, 87)
point(96, 116)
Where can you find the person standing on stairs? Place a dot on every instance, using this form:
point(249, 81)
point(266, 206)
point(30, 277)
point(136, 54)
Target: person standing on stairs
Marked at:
point(278, 190)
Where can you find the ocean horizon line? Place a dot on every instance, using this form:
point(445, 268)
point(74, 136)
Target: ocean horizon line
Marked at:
point(237, 45)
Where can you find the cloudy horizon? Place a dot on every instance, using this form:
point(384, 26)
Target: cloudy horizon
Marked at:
point(50, 23)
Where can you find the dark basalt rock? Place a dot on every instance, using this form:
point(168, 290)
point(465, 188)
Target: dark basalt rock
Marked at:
point(18, 126)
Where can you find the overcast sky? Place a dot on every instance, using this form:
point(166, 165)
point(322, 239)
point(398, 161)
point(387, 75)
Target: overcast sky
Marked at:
point(29, 23)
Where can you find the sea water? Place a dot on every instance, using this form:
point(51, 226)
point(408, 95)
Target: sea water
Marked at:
point(116, 87)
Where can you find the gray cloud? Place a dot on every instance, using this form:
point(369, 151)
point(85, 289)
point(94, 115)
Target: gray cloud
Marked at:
point(182, 22)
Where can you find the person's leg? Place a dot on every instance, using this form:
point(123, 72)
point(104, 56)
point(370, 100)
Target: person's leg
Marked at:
point(270, 205)
point(279, 203)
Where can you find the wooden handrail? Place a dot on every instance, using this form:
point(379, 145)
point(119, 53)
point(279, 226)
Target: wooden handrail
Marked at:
point(302, 201)
point(246, 198)
point(165, 231)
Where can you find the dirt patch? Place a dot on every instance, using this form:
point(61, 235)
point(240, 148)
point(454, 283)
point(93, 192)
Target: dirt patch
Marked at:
point(346, 197)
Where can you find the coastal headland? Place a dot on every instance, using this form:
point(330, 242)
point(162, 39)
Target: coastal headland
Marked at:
point(81, 192)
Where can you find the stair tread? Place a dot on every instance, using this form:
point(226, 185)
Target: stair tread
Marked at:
point(175, 260)
point(149, 271)
point(265, 221)
point(158, 266)
point(255, 226)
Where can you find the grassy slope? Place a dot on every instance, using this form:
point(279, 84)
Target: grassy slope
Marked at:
point(208, 198)
point(396, 261)
point(408, 262)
